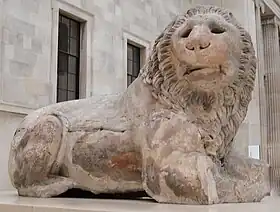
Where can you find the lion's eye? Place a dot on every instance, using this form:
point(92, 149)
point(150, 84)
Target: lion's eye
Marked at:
point(217, 30)
point(186, 33)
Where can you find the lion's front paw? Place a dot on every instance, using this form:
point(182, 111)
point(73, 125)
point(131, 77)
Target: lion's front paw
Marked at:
point(181, 179)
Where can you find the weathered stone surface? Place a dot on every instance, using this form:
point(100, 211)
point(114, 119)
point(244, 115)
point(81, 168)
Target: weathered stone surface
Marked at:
point(169, 134)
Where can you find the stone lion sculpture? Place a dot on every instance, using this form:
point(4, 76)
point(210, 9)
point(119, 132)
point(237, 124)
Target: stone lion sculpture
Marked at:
point(169, 134)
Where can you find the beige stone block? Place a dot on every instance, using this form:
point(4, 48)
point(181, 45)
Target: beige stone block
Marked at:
point(237, 7)
point(8, 124)
point(254, 112)
point(254, 134)
point(8, 51)
point(27, 42)
point(25, 91)
point(208, 2)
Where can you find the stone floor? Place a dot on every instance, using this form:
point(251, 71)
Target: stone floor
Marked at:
point(10, 202)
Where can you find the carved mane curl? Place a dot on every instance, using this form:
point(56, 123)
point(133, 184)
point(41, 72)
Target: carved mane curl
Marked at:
point(159, 73)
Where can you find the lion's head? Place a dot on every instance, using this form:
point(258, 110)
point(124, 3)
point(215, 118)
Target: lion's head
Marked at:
point(200, 55)
point(204, 59)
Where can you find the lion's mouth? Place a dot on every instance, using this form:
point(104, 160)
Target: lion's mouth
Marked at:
point(194, 69)
point(206, 69)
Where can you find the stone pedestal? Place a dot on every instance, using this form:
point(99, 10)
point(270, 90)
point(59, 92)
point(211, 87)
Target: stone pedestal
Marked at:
point(10, 202)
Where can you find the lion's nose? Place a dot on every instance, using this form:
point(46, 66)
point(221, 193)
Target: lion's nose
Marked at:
point(197, 38)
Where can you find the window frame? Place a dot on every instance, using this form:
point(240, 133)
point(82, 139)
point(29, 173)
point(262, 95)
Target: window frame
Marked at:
point(86, 20)
point(141, 43)
point(68, 54)
point(135, 62)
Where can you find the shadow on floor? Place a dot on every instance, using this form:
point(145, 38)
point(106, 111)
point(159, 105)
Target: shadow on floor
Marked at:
point(78, 193)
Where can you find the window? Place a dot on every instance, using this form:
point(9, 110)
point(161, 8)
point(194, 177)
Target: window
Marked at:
point(68, 59)
point(133, 63)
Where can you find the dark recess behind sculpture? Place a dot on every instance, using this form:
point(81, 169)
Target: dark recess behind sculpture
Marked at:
point(79, 193)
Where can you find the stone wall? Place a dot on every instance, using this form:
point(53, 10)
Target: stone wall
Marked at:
point(29, 44)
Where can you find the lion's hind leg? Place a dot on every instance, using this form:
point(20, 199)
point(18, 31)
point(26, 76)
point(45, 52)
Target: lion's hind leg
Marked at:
point(34, 165)
point(50, 187)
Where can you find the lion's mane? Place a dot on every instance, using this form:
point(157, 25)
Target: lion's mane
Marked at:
point(159, 73)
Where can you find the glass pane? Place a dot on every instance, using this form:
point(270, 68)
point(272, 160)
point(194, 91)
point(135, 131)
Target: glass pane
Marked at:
point(129, 67)
point(133, 78)
point(62, 80)
point(72, 65)
point(71, 82)
point(128, 80)
point(62, 62)
point(136, 54)
point(136, 69)
point(74, 32)
point(63, 37)
point(129, 52)
point(65, 20)
point(71, 95)
point(61, 95)
point(73, 46)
